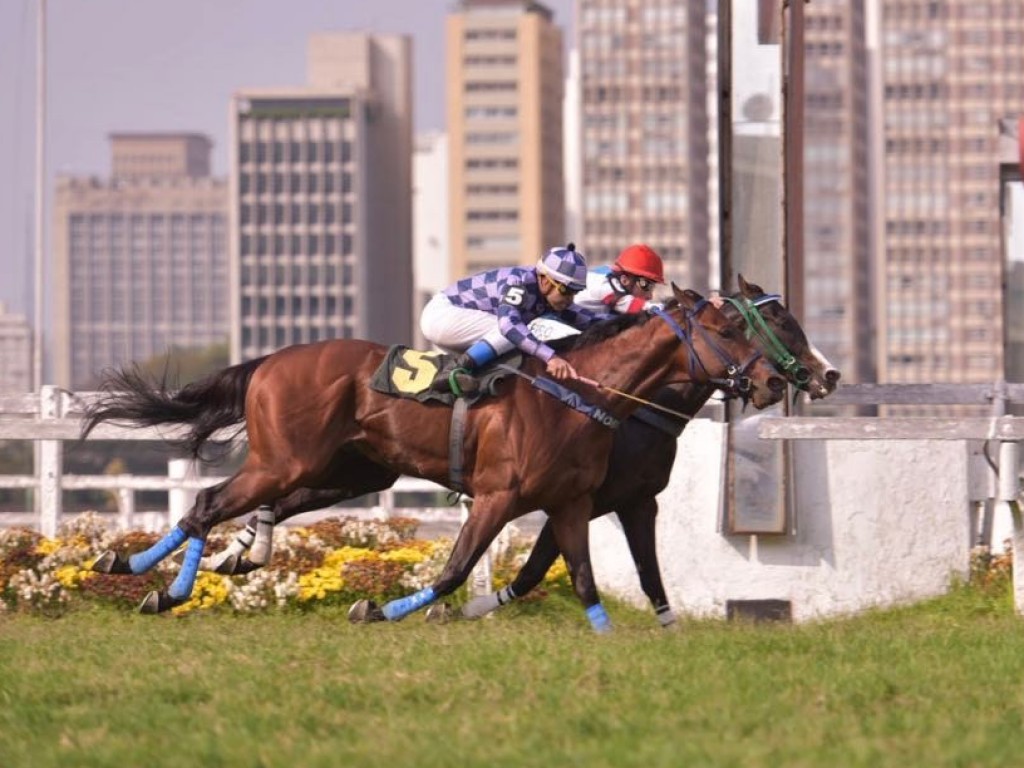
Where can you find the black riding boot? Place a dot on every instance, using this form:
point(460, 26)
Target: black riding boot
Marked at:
point(462, 383)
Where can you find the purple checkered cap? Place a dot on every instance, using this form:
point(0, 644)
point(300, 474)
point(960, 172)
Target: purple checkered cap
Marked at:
point(565, 265)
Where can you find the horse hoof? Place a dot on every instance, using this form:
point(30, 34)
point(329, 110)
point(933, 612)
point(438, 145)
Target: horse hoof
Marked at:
point(226, 566)
point(365, 612)
point(112, 562)
point(439, 613)
point(244, 566)
point(158, 602)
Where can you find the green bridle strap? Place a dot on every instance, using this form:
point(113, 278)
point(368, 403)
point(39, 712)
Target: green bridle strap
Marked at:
point(758, 326)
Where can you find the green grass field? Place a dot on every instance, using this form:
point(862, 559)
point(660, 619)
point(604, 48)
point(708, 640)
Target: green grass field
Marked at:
point(939, 684)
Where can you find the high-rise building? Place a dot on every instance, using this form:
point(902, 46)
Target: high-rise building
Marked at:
point(141, 257)
point(837, 188)
point(321, 200)
point(644, 119)
point(504, 115)
point(949, 72)
point(15, 352)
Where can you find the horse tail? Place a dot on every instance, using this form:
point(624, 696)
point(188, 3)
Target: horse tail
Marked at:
point(206, 406)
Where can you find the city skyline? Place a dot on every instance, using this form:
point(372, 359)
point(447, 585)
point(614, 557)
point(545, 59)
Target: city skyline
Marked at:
point(197, 54)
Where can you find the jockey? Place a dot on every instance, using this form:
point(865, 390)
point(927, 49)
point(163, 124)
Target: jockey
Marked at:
point(627, 286)
point(486, 315)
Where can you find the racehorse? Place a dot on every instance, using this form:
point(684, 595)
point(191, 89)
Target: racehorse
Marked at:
point(307, 407)
point(642, 457)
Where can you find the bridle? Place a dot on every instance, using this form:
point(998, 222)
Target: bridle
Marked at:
point(757, 327)
point(737, 382)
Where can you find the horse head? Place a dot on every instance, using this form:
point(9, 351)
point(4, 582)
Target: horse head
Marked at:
point(783, 340)
point(714, 347)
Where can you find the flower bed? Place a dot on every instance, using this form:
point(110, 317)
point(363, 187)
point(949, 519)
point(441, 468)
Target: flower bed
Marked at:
point(335, 561)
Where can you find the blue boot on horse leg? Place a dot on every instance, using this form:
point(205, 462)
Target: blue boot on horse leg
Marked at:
point(111, 562)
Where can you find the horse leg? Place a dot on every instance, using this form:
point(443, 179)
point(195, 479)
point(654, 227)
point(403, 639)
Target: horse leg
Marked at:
point(257, 538)
point(488, 517)
point(638, 523)
point(349, 476)
point(571, 528)
point(543, 554)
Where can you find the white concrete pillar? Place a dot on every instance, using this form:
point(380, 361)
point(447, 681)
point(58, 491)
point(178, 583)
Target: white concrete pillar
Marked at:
point(125, 509)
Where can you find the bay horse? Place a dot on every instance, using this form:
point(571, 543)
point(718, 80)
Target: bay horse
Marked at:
point(640, 465)
point(308, 407)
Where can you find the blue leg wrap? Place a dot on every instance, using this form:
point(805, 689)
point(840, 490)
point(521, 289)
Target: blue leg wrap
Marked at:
point(481, 352)
point(182, 586)
point(403, 606)
point(599, 618)
point(143, 561)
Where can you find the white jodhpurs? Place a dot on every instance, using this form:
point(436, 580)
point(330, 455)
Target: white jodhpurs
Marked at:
point(455, 329)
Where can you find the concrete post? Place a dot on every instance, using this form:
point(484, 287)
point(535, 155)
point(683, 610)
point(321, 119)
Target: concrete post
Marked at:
point(50, 465)
point(180, 500)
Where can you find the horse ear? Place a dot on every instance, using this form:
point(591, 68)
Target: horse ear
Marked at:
point(750, 290)
point(687, 299)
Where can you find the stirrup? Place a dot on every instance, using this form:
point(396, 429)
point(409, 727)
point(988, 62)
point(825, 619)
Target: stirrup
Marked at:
point(469, 384)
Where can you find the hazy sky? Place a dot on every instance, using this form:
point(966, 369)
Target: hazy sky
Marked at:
point(158, 65)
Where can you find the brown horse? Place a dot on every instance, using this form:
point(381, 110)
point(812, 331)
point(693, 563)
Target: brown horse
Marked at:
point(642, 457)
point(308, 407)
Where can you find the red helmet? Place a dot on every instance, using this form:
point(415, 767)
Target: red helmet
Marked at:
point(642, 261)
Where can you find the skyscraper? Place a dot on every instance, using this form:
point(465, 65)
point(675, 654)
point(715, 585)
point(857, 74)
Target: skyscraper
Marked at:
point(321, 200)
point(645, 131)
point(15, 352)
point(141, 257)
point(837, 188)
point(504, 102)
point(949, 72)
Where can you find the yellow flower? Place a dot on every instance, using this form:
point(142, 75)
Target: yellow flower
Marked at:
point(210, 589)
point(70, 576)
point(48, 546)
point(408, 555)
point(558, 572)
point(316, 584)
point(339, 557)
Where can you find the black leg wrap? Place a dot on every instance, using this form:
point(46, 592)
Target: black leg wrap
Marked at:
point(158, 602)
point(365, 612)
point(112, 562)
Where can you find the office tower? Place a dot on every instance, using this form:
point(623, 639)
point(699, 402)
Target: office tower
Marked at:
point(15, 352)
point(949, 72)
point(645, 131)
point(504, 103)
point(837, 188)
point(321, 200)
point(140, 258)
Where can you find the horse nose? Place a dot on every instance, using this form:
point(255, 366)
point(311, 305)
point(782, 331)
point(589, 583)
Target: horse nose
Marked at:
point(832, 377)
point(776, 384)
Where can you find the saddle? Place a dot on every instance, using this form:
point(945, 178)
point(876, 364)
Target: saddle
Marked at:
point(407, 372)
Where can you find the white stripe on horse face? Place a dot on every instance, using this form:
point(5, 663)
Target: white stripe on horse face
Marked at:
point(825, 364)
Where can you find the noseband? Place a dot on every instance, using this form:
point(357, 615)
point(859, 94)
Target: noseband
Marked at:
point(737, 382)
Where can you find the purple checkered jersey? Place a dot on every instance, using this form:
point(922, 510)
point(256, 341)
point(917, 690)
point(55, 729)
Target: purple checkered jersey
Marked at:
point(513, 294)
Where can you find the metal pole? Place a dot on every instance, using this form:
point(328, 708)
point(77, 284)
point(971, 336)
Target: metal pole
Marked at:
point(37, 344)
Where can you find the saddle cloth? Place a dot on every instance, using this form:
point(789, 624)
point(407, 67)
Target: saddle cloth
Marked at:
point(407, 372)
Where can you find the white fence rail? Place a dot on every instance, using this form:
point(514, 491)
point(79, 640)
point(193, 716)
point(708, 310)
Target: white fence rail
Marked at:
point(54, 417)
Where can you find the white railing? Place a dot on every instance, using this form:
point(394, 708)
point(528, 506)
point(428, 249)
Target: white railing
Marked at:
point(1007, 431)
point(54, 417)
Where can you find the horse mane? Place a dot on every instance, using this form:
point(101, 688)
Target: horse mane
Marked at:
point(605, 330)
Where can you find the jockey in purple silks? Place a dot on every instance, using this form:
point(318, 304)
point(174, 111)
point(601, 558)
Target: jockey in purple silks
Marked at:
point(486, 315)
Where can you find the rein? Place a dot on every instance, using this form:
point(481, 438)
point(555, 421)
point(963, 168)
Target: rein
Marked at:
point(758, 326)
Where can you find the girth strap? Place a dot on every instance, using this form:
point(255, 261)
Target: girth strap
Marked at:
point(456, 435)
point(670, 425)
